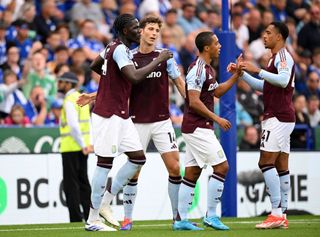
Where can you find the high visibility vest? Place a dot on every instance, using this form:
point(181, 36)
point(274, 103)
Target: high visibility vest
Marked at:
point(68, 144)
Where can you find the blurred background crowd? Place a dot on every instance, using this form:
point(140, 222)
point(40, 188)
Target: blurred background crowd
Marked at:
point(40, 40)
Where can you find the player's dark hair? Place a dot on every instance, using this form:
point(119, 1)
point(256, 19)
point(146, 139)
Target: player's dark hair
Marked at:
point(150, 19)
point(121, 22)
point(282, 29)
point(203, 39)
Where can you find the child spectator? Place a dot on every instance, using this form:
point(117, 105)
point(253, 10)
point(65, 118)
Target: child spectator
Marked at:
point(17, 117)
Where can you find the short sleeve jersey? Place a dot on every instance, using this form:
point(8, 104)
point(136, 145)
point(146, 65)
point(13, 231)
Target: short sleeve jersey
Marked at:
point(114, 88)
point(278, 101)
point(149, 100)
point(200, 77)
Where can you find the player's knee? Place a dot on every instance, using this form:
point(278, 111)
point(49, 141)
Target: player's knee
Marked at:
point(222, 168)
point(174, 170)
point(105, 162)
point(264, 167)
point(138, 160)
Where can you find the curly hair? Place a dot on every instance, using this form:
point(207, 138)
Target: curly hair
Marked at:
point(121, 22)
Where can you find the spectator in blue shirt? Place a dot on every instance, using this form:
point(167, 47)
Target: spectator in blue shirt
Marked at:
point(87, 41)
point(22, 41)
point(3, 43)
point(188, 21)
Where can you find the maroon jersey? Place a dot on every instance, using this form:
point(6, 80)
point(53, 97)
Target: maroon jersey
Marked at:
point(114, 89)
point(278, 101)
point(201, 77)
point(149, 100)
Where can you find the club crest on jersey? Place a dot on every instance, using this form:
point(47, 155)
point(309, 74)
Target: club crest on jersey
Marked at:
point(114, 149)
point(283, 66)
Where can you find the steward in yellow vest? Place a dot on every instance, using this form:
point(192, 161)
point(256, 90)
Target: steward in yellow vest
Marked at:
point(75, 146)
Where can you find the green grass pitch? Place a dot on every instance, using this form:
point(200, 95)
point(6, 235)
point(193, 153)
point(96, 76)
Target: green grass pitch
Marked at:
point(298, 226)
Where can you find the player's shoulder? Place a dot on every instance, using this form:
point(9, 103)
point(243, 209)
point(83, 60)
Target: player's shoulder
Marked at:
point(284, 55)
point(135, 50)
point(199, 65)
point(197, 68)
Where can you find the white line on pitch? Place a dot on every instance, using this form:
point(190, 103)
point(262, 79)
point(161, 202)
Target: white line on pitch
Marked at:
point(301, 221)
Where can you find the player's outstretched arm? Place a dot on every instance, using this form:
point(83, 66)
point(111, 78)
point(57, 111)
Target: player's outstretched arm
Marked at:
point(237, 72)
point(181, 86)
point(135, 75)
point(196, 104)
point(225, 86)
point(255, 83)
point(85, 99)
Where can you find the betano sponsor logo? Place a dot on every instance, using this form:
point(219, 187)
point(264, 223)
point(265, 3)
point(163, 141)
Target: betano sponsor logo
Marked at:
point(154, 75)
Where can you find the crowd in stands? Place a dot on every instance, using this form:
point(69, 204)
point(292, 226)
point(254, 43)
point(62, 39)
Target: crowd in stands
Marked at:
point(42, 39)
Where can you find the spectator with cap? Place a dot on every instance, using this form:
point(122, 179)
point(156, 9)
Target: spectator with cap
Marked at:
point(22, 40)
point(53, 117)
point(74, 147)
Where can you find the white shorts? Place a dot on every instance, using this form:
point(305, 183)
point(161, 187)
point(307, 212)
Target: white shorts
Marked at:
point(161, 133)
point(114, 136)
point(275, 135)
point(203, 148)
